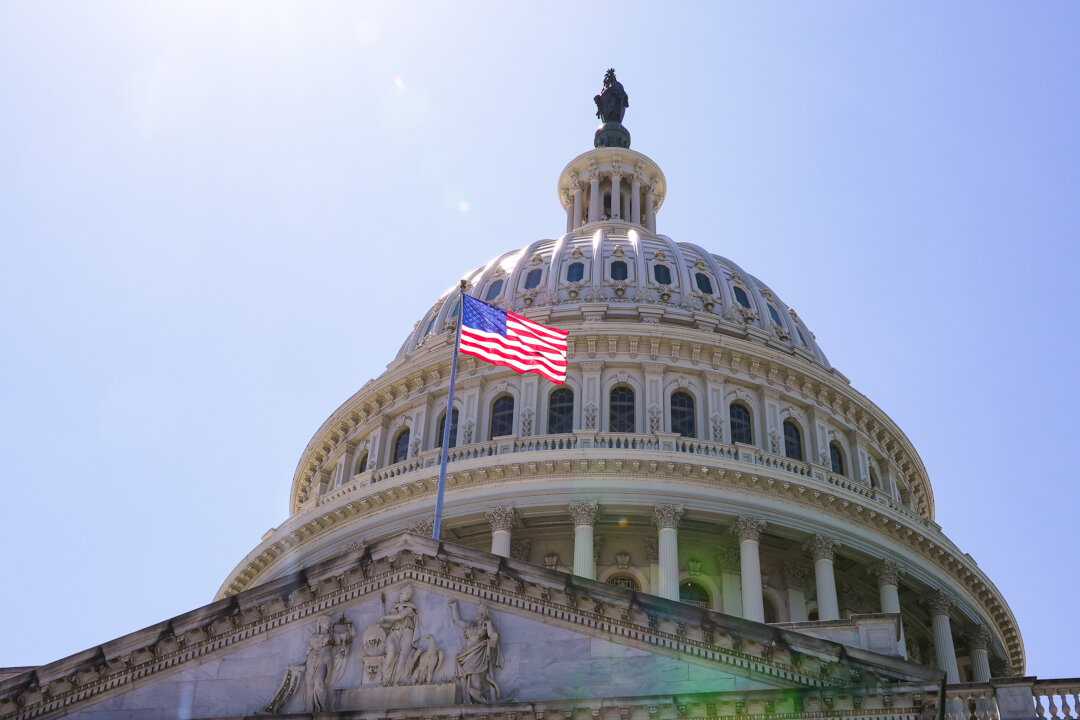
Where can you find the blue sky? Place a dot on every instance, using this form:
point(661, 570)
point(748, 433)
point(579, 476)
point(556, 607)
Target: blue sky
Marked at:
point(220, 219)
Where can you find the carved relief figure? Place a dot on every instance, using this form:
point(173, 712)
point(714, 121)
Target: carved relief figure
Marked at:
point(400, 626)
point(327, 656)
point(479, 658)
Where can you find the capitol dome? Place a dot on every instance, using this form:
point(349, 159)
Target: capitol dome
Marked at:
point(702, 449)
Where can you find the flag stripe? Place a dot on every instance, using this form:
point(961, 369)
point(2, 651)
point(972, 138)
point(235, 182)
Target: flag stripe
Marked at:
point(505, 338)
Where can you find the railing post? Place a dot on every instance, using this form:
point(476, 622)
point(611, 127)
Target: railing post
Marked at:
point(1015, 700)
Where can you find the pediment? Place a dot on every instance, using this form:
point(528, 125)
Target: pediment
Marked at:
point(410, 623)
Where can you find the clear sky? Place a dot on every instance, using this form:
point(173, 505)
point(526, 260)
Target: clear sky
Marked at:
point(219, 219)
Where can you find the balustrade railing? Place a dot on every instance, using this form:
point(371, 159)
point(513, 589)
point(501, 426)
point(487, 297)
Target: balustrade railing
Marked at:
point(624, 441)
point(1057, 699)
point(971, 702)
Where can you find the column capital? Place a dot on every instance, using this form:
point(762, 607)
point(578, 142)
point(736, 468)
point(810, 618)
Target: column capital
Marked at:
point(887, 571)
point(748, 527)
point(821, 547)
point(585, 512)
point(939, 602)
point(667, 516)
point(978, 637)
point(1001, 668)
point(796, 576)
point(502, 518)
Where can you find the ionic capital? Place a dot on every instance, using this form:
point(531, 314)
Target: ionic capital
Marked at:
point(585, 512)
point(667, 516)
point(887, 572)
point(978, 637)
point(821, 547)
point(502, 518)
point(748, 527)
point(939, 602)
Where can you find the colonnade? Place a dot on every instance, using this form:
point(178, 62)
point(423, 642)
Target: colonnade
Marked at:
point(622, 208)
point(664, 574)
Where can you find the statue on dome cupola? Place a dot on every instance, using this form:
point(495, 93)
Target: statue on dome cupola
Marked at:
point(612, 101)
point(611, 104)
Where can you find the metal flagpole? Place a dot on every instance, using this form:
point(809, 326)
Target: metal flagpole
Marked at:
point(448, 421)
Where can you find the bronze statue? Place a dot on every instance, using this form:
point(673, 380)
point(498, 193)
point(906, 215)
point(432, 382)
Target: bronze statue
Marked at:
point(612, 101)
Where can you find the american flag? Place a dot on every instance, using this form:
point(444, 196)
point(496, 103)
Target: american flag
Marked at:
point(505, 338)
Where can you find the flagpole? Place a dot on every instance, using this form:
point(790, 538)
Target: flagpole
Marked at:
point(448, 418)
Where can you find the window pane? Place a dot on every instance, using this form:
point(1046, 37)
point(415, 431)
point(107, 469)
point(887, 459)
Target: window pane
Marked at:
point(575, 272)
point(693, 594)
point(533, 278)
point(740, 297)
point(561, 411)
point(624, 582)
point(457, 309)
point(442, 429)
point(740, 425)
point(682, 414)
point(494, 290)
point(704, 284)
point(618, 270)
point(401, 446)
point(775, 316)
point(502, 417)
point(836, 458)
point(431, 325)
point(662, 273)
point(792, 440)
point(621, 410)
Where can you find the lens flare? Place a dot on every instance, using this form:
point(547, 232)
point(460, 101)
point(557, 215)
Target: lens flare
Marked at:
point(463, 206)
point(623, 522)
point(399, 83)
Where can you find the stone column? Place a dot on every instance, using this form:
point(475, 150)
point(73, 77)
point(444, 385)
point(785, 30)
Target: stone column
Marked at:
point(795, 578)
point(667, 518)
point(569, 210)
point(635, 200)
point(652, 553)
point(503, 520)
point(727, 559)
point(822, 549)
point(650, 212)
point(888, 576)
point(578, 200)
point(749, 531)
point(584, 516)
point(940, 603)
point(596, 203)
point(978, 639)
point(616, 194)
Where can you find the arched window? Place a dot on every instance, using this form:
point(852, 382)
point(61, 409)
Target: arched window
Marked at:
point(442, 429)
point(401, 446)
point(624, 581)
point(704, 284)
point(621, 410)
point(618, 270)
point(575, 272)
point(741, 429)
point(775, 316)
point(662, 274)
point(431, 325)
point(836, 458)
point(792, 440)
point(740, 297)
point(457, 309)
point(361, 464)
point(770, 610)
point(533, 278)
point(693, 594)
point(682, 414)
point(502, 417)
point(494, 290)
point(560, 411)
